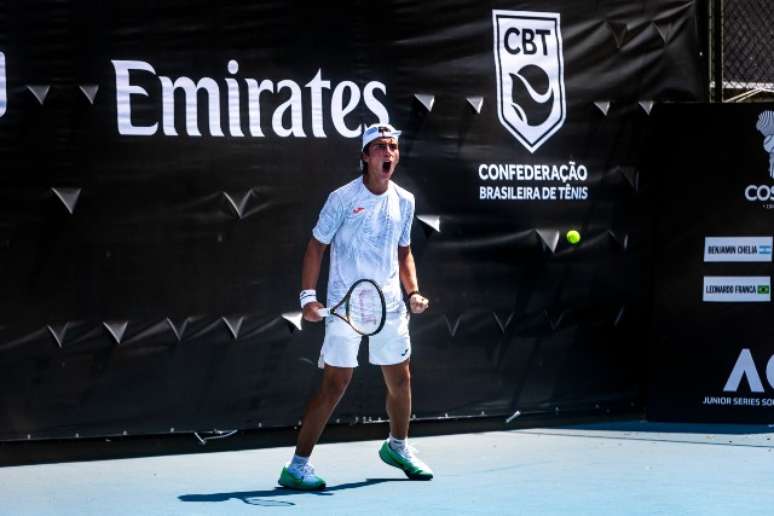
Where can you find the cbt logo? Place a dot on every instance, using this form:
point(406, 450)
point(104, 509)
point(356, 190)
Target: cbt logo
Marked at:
point(530, 74)
point(2, 84)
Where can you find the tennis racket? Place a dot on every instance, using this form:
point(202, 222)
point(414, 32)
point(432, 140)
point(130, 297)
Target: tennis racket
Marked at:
point(363, 308)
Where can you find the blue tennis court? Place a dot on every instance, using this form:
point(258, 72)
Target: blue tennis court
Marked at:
point(618, 468)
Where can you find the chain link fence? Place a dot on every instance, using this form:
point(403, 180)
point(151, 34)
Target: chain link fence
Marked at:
point(742, 47)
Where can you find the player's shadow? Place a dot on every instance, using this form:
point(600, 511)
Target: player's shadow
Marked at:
point(264, 498)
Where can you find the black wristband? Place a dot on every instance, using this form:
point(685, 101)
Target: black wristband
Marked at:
point(408, 296)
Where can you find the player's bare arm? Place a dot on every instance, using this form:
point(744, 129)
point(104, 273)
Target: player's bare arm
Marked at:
point(315, 250)
point(408, 278)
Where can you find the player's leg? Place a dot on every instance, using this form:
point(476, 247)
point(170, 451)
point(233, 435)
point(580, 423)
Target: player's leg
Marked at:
point(397, 379)
point(391, 349)
point(319, 409)
point(338, 357)
point(299, 472)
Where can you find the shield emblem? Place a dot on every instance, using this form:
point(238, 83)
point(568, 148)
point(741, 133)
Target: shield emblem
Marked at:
point(530, 74)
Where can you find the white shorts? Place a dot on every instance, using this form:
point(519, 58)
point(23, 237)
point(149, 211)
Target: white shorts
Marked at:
point(390, 346)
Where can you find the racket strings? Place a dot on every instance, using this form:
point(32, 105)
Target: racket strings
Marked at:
point(365, 308)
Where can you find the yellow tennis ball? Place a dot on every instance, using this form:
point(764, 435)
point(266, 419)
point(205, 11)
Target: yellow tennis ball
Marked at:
point(573, 236)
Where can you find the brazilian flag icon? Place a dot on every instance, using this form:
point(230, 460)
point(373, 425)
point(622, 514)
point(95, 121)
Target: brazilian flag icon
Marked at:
point(764, 289)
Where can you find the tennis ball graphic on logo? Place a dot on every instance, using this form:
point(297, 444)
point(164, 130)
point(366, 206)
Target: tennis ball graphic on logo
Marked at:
point(532, 96)
point(573, 236)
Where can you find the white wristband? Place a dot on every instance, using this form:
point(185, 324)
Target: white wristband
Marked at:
point(307, 296)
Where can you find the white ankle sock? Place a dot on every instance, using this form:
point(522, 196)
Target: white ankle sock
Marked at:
point(298, 461)
point(398, 444)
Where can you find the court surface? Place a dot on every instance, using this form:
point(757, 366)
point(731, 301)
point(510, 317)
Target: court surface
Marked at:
point(617, 468)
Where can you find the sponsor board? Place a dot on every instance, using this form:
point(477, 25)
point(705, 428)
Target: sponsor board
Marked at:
point(737, 249)
point(737, 289)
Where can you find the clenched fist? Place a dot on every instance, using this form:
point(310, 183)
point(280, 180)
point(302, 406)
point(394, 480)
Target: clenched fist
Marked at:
point(418, 303)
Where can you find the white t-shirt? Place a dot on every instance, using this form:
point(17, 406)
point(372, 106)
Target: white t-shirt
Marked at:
point(365, 231)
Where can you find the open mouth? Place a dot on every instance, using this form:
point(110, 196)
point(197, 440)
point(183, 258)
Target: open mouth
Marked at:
point(386, 166)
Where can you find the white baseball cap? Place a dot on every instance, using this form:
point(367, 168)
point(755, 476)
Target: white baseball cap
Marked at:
point(374, 131)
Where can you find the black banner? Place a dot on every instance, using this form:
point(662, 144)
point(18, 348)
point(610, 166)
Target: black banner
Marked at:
point(713, 180)
point(163, 168)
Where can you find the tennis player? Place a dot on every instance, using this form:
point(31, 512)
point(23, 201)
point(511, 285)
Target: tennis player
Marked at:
point(367, 223)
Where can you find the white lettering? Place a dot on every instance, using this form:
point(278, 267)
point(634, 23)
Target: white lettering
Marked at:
point(749, 196)
point(294, 104)
point(191, 92)
point(234, 122)
point(287, 118)
point(745, 366)
point(517, 172)
point(770, 371)
point(124, 91)
point(316, 86)
point(254, 105)
point(373, 104)
point(759, 192)
point(339, 111)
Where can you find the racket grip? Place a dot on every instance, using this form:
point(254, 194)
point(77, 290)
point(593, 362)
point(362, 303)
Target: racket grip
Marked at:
point(323, 312)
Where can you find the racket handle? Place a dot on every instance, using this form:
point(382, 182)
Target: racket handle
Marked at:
point(323, 312)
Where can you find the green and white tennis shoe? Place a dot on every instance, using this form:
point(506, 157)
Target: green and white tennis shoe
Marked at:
point(405, 460)
point(303, 478)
